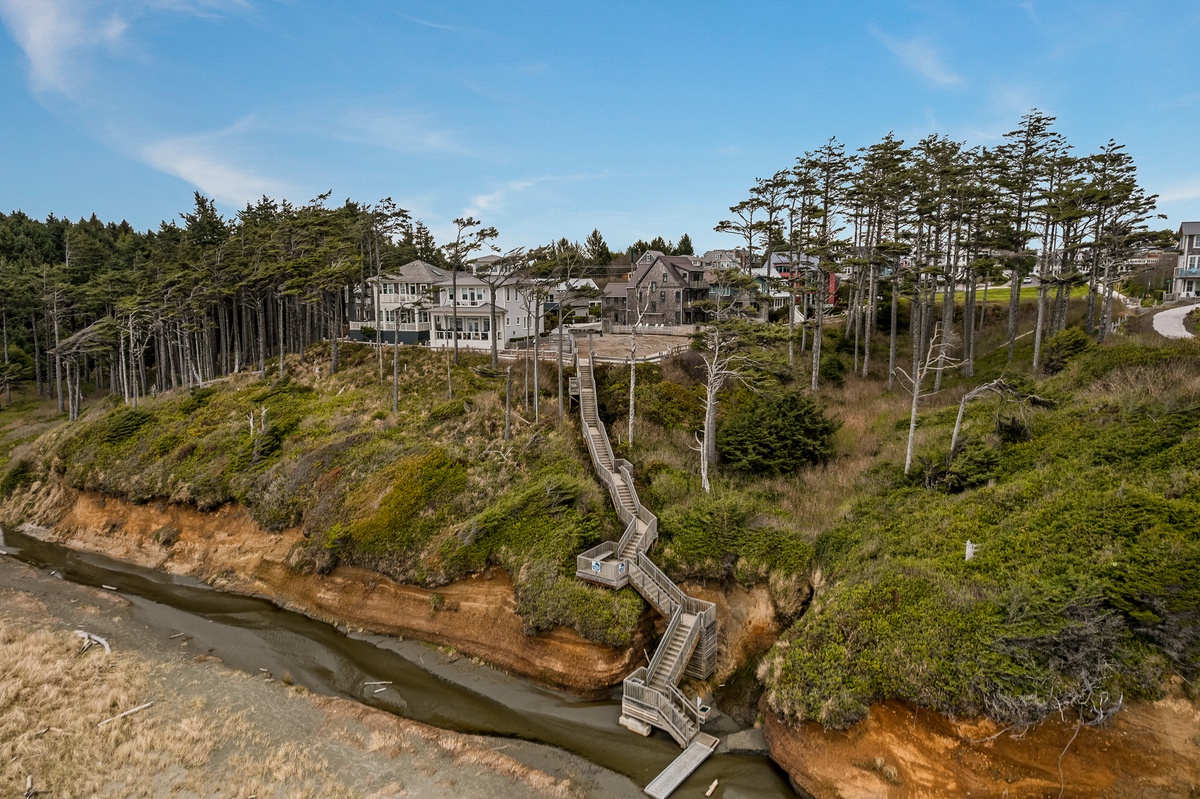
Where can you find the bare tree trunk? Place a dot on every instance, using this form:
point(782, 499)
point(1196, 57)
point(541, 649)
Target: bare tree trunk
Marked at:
point(892, 333)
point(536, 357)
point(7, 380)
point(58, 376)
point(508, 403)
point(454, 309)
point(1093, 292)
point(968, 367)
point(337, 332)
point(916, 398)
point(632, 381)
point(561, 331)
point(1014, 302)
point(818, 332)
point(260, 313)
point(792, 317)
point(282, 325)
point(871, 320)
point(37, 353)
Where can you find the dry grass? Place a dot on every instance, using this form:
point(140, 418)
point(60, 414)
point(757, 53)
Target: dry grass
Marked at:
point(53, 696)
point(1176, 382)
point(816, 498)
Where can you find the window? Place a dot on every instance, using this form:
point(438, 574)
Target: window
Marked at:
point(1196, 242)
point(662, 295)
point(653, 306)
point(1193, 262)
point(664, 277)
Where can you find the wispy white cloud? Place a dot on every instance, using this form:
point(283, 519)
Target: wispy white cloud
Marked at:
point(918, 55)
point(1186, 190)
point(55, 35)
point(50, 32)
point(493, 202)
point(441, 26)
point(209, 162)
point(405, 132)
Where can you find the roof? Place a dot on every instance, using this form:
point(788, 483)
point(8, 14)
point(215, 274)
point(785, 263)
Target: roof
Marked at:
point(615, 289)
point(1189, 229)
point(413, 272)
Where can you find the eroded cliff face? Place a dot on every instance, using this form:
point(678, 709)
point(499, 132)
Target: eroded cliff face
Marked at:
point(229, 550)
point(1152, 749)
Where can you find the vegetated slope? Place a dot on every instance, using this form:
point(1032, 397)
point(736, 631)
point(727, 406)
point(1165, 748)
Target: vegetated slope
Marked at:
point(427, 495)
point(1084, 589)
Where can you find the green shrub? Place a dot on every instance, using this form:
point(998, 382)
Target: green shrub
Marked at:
point(1062, 347)
point(776, 435)
point(547, 599)
point(416, 505)
point(124, 423)
point(19, 475)
point(445, 411)
point(832, 370)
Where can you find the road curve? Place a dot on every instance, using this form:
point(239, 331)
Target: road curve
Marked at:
point(1169, 323)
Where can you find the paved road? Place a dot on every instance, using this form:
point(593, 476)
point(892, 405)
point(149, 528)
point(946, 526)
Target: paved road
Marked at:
point(1169, 323)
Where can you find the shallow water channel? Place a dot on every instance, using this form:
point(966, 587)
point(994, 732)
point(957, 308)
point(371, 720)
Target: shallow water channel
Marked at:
point(253, 634)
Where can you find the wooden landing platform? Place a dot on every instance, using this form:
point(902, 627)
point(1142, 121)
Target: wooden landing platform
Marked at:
point(682, 767)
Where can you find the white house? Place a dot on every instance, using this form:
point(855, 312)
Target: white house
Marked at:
point(1186, 282)
point(424, 304)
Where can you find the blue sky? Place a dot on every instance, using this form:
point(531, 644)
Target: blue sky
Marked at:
point(547, 119)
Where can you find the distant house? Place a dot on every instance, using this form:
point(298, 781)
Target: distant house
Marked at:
point(424, 304)
point(401, 304)
point(579, 294)
point(1186, 280)
point(613, 301)
point(666, 288)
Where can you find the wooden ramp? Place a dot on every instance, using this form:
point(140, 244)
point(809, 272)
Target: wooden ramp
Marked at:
point(682, 767)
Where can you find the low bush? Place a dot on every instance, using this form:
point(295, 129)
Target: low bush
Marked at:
point(775, 435)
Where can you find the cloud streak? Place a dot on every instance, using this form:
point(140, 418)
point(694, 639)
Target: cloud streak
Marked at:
point(396, 130)
point(56, 34)
point(51, 32)
point(919, 56)
point(205, 162)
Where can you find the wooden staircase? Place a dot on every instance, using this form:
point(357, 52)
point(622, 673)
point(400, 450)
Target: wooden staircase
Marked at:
point(650, 697)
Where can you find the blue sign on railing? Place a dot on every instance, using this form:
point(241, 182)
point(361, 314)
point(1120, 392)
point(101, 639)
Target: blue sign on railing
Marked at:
point(596, 566)
point(621, 567)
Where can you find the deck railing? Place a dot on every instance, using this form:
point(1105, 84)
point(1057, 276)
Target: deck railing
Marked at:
point(618, 563)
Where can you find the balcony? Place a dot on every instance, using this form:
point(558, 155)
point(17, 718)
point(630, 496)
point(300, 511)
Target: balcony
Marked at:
point(1185, 271)
point(463, 335)
point(389, 327)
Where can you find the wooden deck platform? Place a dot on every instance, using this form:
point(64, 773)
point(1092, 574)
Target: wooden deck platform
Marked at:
point(682, 767)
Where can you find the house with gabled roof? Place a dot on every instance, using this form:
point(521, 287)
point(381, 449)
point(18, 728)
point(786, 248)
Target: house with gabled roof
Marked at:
point(401, 302)
point(424, 304)
point(1185, 283)
point(666, 289)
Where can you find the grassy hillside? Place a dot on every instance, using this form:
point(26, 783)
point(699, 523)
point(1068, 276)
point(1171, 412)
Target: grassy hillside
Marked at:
point(425, 495)
point(1082, 592)
point(1086, 583)
point(1086, 516)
